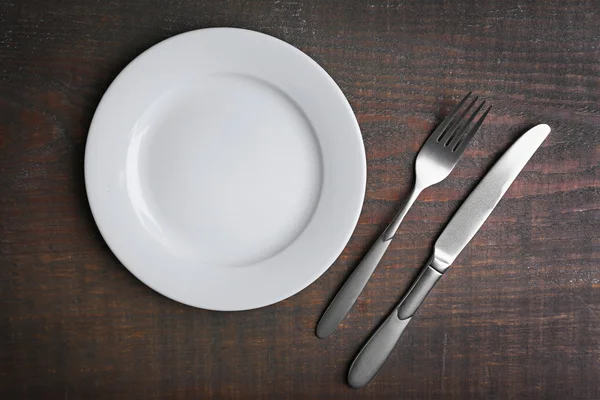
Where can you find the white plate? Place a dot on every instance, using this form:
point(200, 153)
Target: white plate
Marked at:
point(225, 169)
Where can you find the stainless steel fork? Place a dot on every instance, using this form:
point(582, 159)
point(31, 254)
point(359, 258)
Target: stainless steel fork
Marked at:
point(435, 161)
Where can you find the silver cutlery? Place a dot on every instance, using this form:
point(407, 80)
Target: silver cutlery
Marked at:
point(435, 161)
point(457, 234)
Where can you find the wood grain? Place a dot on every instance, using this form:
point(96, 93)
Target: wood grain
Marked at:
point(518, 316)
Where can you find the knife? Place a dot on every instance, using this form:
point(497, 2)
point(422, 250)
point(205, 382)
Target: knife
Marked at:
point(457, 234)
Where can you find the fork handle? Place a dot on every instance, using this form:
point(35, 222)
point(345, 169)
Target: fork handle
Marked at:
point(348, 294)
point(346, 297)
point(375, 352)
point(390, 231)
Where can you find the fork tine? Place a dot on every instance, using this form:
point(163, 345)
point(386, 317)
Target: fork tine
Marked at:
point(440, 130)
point(464, 128)
point(459, 123)
point(462, 145)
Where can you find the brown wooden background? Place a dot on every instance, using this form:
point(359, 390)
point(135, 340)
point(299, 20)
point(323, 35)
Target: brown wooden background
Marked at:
point(518, 317)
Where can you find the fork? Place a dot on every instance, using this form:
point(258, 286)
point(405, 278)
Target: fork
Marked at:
point(435, 161)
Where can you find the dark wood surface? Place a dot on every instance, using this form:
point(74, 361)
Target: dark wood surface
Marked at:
point(517, 317)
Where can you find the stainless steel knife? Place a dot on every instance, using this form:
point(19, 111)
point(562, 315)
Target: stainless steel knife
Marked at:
point(457, 234)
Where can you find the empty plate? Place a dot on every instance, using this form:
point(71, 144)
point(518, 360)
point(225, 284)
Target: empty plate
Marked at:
point(225, 169)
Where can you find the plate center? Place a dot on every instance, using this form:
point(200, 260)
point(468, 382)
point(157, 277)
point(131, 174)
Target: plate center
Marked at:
point(227, 172)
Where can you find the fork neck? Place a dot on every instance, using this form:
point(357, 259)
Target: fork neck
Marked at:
point(390, 231)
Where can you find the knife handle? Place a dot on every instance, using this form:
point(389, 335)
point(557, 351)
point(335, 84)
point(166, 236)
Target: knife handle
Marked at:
point(372, 356)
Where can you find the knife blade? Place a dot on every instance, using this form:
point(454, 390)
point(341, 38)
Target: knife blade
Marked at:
point(484, 198)
point(456, 235)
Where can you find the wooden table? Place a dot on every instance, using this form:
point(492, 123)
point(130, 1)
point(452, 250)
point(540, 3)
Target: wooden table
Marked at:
point(518, 317)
